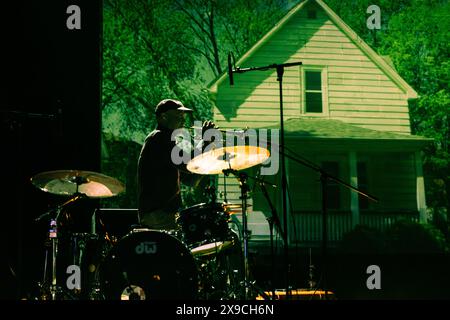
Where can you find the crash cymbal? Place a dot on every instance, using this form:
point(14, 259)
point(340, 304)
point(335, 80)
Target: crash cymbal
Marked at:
point(70, 182)
point(234, 157)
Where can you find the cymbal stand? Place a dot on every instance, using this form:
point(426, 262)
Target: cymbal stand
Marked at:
point(53, 237)
point(242, 178)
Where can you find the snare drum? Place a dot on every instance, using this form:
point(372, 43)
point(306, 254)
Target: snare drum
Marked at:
point(149, 265)
point(205, 229)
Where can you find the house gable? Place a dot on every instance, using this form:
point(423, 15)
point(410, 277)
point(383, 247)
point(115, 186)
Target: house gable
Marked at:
point(359, 87)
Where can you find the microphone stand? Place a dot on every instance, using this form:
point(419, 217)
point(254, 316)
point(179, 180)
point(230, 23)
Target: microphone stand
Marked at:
point(280, 72)
point(272, 220)
point(324, 178)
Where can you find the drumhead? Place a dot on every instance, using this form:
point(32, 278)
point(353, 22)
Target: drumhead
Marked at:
point(149, 265)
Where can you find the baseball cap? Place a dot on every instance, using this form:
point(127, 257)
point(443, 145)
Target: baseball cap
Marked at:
point(170, 104)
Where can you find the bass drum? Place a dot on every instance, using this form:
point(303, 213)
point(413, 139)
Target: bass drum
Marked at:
point(149, 265)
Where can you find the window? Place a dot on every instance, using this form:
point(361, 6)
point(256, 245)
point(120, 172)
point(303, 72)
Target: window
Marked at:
point(333, 190)
point(362, 185)
point(313, 91)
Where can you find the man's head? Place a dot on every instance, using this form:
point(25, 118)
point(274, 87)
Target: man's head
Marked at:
point(171, 113)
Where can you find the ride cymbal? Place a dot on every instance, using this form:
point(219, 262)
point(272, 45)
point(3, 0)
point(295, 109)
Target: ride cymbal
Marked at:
point(234, 157)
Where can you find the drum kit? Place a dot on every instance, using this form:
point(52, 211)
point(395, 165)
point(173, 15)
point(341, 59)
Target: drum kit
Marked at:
point(203, 259)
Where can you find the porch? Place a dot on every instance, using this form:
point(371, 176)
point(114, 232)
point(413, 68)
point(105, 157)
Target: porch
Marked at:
point(306, 230)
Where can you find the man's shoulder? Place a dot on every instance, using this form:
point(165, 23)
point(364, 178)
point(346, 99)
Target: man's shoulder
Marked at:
point(157, 139)
point(155, 135)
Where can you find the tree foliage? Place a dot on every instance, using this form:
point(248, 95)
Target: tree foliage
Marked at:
point(141, 63)
point(221, 26)
point(153, 49)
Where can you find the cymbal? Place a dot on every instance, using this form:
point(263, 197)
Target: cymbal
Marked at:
point(233, 208)
point(234, 157)
point(70, 182)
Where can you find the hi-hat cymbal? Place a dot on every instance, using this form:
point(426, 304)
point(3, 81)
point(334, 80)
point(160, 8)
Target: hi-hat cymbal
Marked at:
point(229, 205)
point(234, 157)
point(233, 208)
point(70, 182)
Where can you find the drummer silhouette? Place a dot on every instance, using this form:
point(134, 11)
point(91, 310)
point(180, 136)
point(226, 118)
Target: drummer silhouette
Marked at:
point(159, 178)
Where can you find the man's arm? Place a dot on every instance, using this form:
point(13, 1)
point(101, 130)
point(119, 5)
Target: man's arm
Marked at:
point(188, 177)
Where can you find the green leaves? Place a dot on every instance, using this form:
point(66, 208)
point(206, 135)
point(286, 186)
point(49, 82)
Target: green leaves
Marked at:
point(153, 49)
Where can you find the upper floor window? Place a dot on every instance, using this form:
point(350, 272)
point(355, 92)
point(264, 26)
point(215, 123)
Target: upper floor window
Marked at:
point(313, 91)
point(314, 98)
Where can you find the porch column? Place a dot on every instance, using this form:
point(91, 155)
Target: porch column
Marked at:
point(420, 188)
point(354, 199)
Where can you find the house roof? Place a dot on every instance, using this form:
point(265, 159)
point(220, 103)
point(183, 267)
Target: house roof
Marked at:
point(364, 47)
point(335, 129)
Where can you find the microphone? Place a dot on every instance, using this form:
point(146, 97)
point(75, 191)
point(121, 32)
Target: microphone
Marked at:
point(230, 69)
point(229, 131)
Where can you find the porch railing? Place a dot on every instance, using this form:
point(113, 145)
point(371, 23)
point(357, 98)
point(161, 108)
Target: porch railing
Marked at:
point(307, 227)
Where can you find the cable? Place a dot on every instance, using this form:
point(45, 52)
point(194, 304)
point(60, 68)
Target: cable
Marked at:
point(312, 164)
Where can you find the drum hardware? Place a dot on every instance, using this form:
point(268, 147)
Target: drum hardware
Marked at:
point(231, 160)
point(211, 192)
point(214, 283)
point(220, 274)
point(78, 185)
point(204, 228)
point(243, 178)
point(272, 220)
point(213, 248)
point(54, 289)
